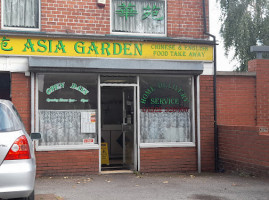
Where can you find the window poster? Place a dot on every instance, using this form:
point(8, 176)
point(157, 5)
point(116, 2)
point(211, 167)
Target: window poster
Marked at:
point(88, 121)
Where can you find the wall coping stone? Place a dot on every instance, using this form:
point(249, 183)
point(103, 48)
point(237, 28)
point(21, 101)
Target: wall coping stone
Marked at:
point(228, 73)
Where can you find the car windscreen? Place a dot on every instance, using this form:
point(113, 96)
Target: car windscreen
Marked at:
point(8, 121)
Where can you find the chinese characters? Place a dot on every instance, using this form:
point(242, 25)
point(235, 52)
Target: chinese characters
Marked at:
point(130, 11)
point(153, 11)
point(126, 11)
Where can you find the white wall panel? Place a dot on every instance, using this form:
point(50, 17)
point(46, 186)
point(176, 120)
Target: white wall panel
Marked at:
point(208, 69)
point(14, 64)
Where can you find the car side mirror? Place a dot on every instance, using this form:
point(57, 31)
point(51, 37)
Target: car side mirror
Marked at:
point(35, 136)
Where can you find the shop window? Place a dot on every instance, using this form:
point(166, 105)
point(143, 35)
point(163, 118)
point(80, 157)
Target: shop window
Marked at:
point(18, 14)
point(143, 17)
point(166, 109)
point(67, 109)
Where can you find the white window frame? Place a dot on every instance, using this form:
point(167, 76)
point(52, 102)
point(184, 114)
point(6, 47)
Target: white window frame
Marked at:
point(176, 144)
point(20, 28)
point(139, 34)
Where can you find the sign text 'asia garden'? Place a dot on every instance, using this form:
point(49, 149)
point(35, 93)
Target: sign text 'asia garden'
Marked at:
point(104, 49)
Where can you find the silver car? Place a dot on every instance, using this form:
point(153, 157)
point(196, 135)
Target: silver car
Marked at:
point(17, 159)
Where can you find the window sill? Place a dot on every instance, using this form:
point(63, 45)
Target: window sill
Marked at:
point(19, 29)
point(67, 147)
point(171, 144)
point(161, 35)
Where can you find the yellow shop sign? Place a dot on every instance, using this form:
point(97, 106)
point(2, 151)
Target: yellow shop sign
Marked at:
point(11, 45)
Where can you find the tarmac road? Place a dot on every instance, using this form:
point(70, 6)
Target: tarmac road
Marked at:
point(161, 186)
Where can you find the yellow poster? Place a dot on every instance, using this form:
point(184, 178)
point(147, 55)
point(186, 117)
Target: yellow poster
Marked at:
point(104, 154)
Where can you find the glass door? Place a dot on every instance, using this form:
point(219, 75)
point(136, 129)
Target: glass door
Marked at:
point(118, 121)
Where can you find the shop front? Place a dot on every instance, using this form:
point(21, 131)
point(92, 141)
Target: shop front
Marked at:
point(120, 104)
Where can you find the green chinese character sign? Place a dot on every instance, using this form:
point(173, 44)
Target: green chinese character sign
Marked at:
point(142, 17)
point(126, 11)
point(153, 11)
point(130, 11)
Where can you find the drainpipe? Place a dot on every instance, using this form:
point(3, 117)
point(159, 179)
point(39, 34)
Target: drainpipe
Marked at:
point(216, 140)
point(32, 102)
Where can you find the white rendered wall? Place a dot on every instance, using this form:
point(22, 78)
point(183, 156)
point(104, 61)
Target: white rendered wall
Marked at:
point(208, 69)
point(14, 64)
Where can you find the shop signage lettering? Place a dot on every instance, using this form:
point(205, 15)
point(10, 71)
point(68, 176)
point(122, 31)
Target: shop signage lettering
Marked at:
point(80, 88)
point(156, 104)
point(84, 100)
point(160, 85)
point(4, 45)
point(61, 100)
point(12, 45)
point(59, 86)
point(125, 48)
point(166, 109)
point(164, 101)
point(147, 94)
point(55, 87)
point(175, 88)
point(44, 46)
point(179, 50)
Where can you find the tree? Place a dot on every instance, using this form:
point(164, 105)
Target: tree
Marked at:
point(245, 24)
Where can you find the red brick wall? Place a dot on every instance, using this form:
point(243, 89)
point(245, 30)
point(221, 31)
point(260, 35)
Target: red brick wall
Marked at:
point(242, 149)
point(261, 67)
point(207, 123)
point(185, 18)
point(236, 100)
point(21, 97)
point(76, 16)
point(243, 108)
point(77, 162)
point(176, 159)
